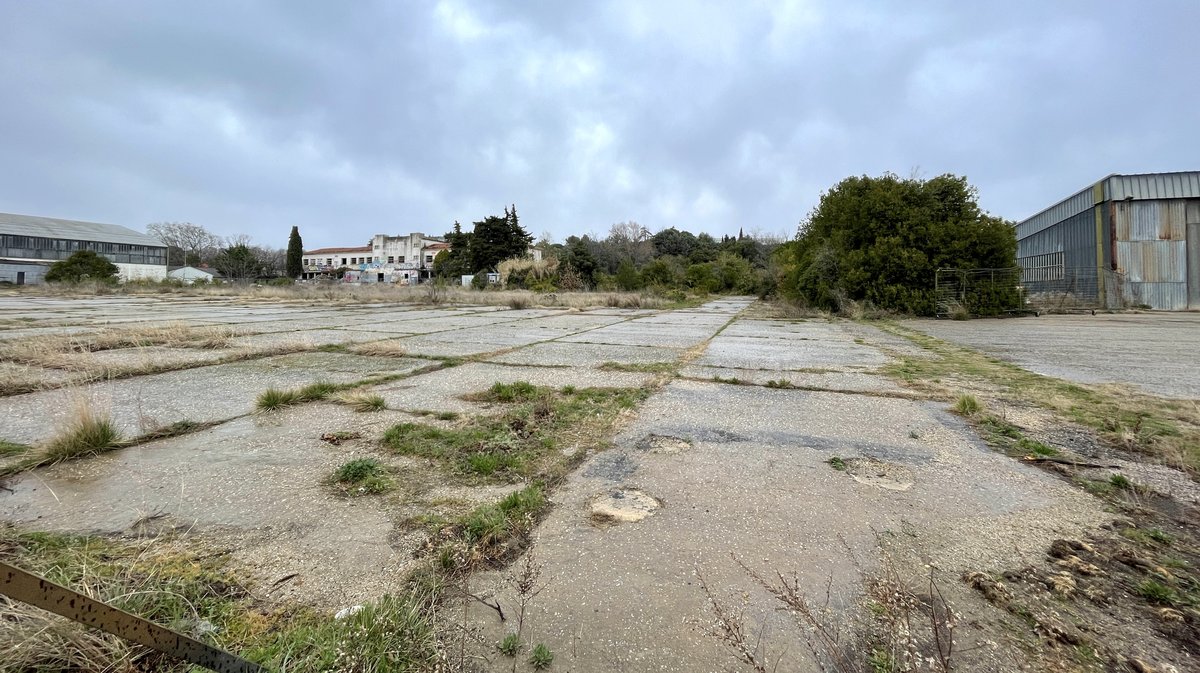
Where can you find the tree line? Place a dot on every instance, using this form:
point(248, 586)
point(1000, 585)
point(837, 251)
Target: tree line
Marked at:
point(877, 241)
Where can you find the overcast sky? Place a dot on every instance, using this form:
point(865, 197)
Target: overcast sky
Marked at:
point(351, 118)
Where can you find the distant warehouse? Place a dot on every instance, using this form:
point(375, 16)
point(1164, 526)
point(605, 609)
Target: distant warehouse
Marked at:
point(30, 244)
point(1128, 240)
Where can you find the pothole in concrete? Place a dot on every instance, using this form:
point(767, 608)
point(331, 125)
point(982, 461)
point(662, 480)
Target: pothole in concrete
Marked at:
point(877, 473)
point(623, 505)
point(664, 444)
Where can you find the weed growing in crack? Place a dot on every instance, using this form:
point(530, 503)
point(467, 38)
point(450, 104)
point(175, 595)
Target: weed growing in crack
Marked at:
point(837, 463)
point(362, 476)
point(510, 646)
point(1121, 482)
point(273, 399)
point(781, 383)
point(967, 405)
point(541, 657)
point(86, 433)
point(363, 402)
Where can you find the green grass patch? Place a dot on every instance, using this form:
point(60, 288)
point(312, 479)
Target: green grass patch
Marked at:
point(527, 440)
point(1035, 448)
point(838, 463)
point(363, 476)
point(486, 531)
point(732, 380)
point(782, 384)
point(273, 399)
point(510, 646)
point(1157, 592)
point(8, 448)
point(1121, 482)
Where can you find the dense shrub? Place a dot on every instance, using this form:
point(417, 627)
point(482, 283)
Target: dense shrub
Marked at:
point(882, 240)
point(80, 266)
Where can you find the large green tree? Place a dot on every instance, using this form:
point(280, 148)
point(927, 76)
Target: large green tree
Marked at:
point(456, 261)
point(883, 239)
point(496, 239)
point(82, 265)
point(295, 254)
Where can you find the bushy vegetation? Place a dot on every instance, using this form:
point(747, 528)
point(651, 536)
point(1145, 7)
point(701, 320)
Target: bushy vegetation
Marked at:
point(81, 266)
point(882, 240)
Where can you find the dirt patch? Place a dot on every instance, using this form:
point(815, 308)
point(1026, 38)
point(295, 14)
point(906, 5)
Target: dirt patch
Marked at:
point(623, 505)
point(874, 472)
point(664, 444)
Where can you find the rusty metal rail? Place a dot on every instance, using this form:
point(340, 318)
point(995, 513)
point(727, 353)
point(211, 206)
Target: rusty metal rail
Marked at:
point(29, 588)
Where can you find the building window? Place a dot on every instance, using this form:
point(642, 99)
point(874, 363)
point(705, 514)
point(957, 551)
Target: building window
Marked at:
point(391, 259)
point(343, 261)
point(428, 259)
point(401, 258)
point(1040, 268)
point(328, 262)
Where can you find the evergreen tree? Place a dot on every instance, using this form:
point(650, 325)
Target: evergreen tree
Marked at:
point(455, 262)
point(496, 239)
point(295, 254)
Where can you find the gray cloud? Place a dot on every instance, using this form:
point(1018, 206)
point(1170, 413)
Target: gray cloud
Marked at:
point(371, 117)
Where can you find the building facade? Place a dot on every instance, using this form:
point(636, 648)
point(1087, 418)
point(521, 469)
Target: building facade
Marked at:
point(30, 244)
point(404, 260)
point(1127, 240)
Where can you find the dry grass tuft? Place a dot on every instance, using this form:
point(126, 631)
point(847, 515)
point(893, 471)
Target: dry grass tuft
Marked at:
point(388, 348)
point(86, 433)
point(361, 401)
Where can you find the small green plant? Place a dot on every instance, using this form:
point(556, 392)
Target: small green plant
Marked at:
point(568, 390)
point(1120, 481)
point(317, 391)
point(510, 646)
point(1160, 536)
point(732, 380)
point(541, 657)
point(642, 367)
point(837, 463)
point(487, 464)
point(273, 399)
point(1036, 448)
point(87, 433)
point(363, 475)
point(519, 391)
point(446, 415)
point(781, 383)
point(967, 405)
point(1156, 592)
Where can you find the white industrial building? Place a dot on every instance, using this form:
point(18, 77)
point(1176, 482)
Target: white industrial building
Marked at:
point(30, 244)
point(406, 260)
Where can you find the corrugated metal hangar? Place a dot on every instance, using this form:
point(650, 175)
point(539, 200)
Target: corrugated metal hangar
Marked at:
point(1128, 240)
point(29, 244)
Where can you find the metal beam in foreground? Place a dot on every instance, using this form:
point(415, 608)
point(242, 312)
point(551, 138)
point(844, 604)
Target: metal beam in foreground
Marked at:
point(29, 588)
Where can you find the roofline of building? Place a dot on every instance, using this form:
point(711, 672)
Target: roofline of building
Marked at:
point(1114, 186)
point(322, 251)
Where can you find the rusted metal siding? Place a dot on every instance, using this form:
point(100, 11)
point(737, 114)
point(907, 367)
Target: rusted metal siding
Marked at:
point(1151, 250)
point(1153, 186)
point(1151, 220)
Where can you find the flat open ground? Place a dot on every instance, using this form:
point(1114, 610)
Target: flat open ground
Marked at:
point(1158, 352)
point(759, 445)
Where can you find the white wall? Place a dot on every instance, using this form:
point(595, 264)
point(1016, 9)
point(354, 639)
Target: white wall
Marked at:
point(130, 272)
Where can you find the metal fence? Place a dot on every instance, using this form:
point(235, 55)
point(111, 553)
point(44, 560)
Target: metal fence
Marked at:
point(1044, 287)
point(1067, 289)
point(962, 292)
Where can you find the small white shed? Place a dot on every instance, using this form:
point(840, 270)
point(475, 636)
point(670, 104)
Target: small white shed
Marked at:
point(191, 274)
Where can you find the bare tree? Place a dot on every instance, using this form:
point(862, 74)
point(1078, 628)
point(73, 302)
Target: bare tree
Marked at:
point(631, 240)
point(186, 243)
